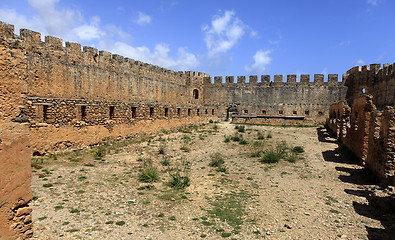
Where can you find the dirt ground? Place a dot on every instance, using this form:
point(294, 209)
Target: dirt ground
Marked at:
point(317, 194)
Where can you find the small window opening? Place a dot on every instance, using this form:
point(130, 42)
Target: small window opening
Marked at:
point(280, 112)
point(206, 111)
point(45, 113)
point(178, 111)
point(83, 112)
point(112, 112)
point(134, 112)
point(320, 113)
point(306, 112)
point(245, 111)
point(264, 112)
point(198, 111)
point(363, 90)
point(212, 111)
point(151, 112)
point(189, 112)
point(196, 94)
point(295, 112)
point(166, 112)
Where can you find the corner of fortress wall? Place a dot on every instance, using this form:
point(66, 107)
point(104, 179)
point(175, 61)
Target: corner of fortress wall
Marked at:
point(372, 79)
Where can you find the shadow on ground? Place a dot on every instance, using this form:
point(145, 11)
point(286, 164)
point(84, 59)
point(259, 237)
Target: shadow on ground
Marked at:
point(379, 208)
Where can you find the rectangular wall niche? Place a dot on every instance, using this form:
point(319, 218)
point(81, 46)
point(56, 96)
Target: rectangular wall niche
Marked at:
point(189, 112)
point(112, 110)
point(151, 112)
point(82, 112)
point(166, 112)
point(178, 111)
point(45, 113)
point(134, 112)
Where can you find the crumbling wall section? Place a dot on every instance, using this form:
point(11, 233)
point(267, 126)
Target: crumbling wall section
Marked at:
point(381, 149)
point(15, 177)
point(357, 132)
point(15, 170)
point(368, 128)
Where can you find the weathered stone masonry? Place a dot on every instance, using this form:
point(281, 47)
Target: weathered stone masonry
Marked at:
point(365, 121)
point(277, 102)
point(55, 97)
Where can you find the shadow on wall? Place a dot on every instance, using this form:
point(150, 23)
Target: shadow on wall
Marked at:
point(380, 207)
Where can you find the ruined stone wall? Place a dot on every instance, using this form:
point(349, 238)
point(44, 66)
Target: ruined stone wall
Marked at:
point(310, 100)
point(71, 73)
point(15, 172)
point(373, 79)
point(368, 127)
point(63, 89)
point(15, 177)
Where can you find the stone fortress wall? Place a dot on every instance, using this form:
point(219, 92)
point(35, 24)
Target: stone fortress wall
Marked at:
point(66, 89)
point(277, 102)
point(56, 96)
point(365, 120)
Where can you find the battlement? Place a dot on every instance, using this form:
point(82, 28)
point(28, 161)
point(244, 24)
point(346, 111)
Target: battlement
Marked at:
point(54, 49)
point(278, 80)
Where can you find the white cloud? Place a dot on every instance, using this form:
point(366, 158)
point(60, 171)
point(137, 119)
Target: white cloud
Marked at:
point(88, 32)
point(54, 21)
point(12, 17)
point(359, 62)
point(143, 19)
point(183, 61)
point(261, 60)
point(343, 44)
point(325, 71)
point(372, 2)
point(223, 33)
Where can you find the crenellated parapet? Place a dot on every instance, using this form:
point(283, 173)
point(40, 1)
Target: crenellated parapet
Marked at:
point(278, 80)
point(73, 53)
point(372, 79)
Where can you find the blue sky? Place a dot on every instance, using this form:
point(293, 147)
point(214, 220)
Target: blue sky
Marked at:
point(222, 37)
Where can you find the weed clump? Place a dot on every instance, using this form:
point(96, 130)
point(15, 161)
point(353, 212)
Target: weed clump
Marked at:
point(260, 136)
point(243, 142)
point(241, 129)
point(165, 161)
point(100, 152)
point(149, 173)
point(281, 149)
point(271, 157)
point(298, 149)
point(162, 148)
point(217, 160)
point(180, 179)
point(179, 182)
